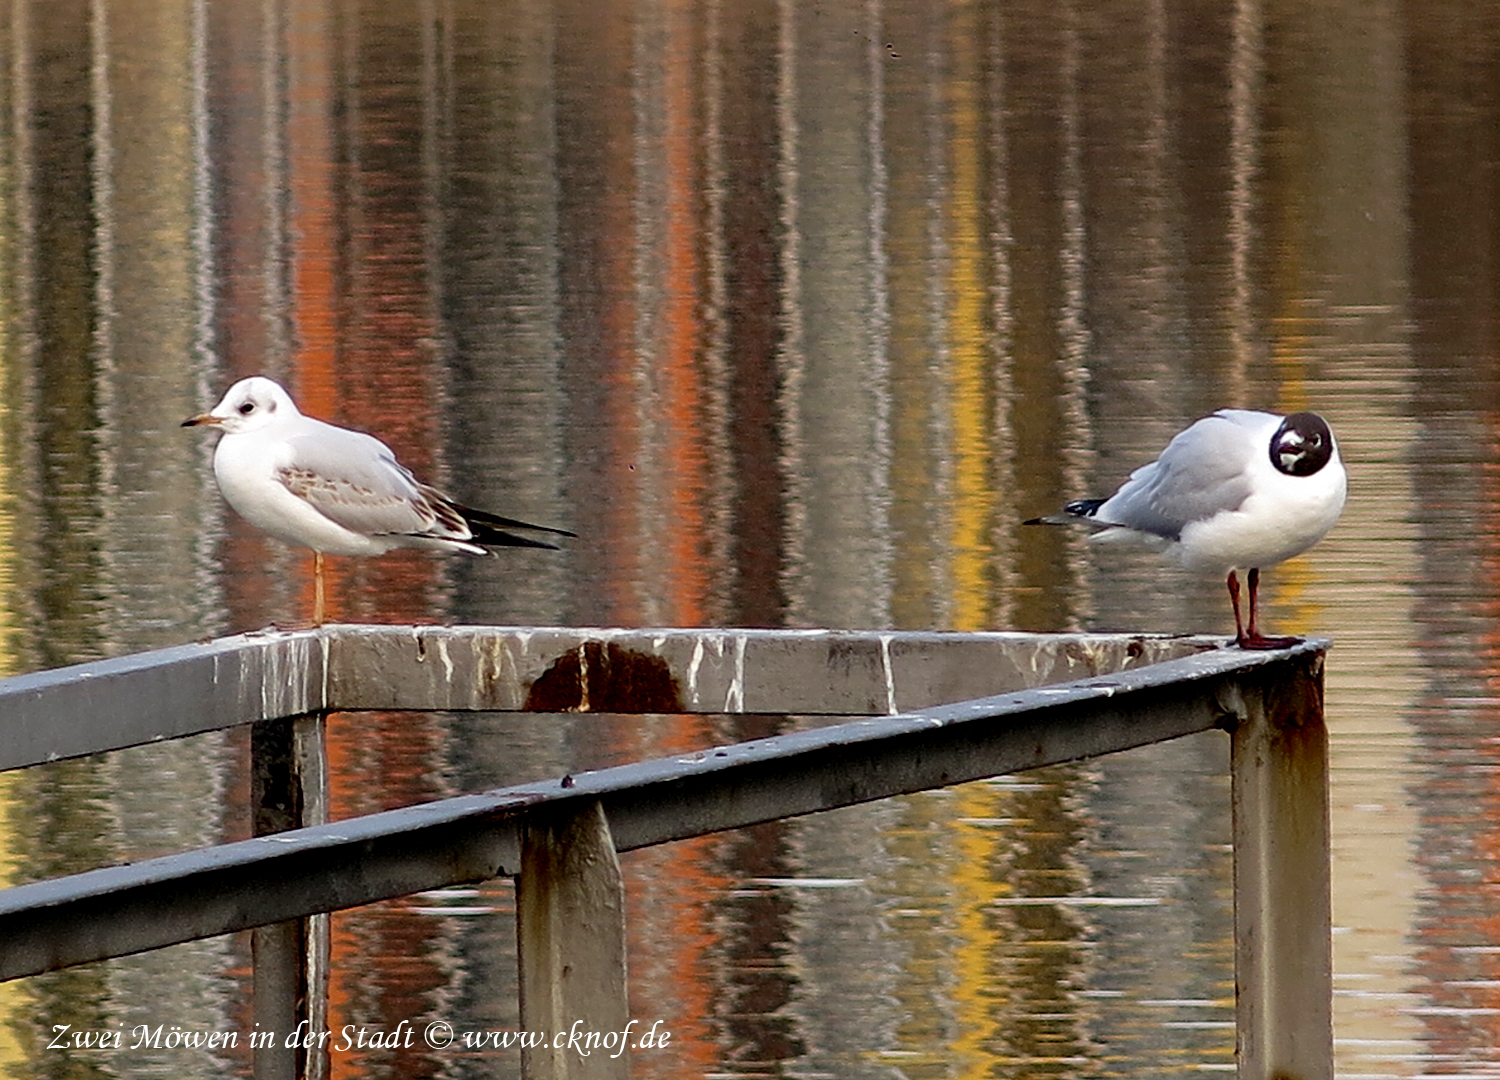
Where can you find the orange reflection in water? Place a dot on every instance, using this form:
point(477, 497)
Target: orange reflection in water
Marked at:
point(389, 963)
point(1458, 954)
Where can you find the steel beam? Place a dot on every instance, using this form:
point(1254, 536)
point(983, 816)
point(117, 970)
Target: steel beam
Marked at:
point(164, 694)
point(168, 693)
point(570, 929)
point(808, 672)
point(1282, 906)
point(289, 790)
point(119, 910)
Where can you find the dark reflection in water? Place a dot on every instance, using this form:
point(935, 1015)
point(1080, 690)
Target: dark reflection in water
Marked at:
point(793, 313)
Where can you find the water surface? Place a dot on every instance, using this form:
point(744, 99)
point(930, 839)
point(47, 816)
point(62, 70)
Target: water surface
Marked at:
point(793, 313)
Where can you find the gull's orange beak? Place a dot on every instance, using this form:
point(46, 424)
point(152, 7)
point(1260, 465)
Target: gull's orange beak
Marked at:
point(202, 418)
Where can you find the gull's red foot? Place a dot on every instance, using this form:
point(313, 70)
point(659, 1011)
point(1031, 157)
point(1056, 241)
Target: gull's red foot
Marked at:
point(1260, 641)
point(1251, 637)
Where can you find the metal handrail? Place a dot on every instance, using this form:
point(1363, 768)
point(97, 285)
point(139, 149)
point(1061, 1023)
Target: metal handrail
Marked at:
point(1270, 702)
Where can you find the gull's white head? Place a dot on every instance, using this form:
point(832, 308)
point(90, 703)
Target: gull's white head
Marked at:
point(249, 405)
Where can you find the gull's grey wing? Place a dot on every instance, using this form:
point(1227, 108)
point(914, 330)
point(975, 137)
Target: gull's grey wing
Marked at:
point(1203, 471)
point(354, 480)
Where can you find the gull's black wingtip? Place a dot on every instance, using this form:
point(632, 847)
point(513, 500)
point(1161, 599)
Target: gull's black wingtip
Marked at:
point(495, 521)
point(1071, 515)
point(492, 530)
point(1084, 507)
point(495, 538)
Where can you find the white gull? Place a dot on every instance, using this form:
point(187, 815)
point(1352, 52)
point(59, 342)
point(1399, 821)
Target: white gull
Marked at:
point(337, 491)
point(1238, 490)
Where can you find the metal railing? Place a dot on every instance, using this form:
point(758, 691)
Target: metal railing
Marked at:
point(942, 709)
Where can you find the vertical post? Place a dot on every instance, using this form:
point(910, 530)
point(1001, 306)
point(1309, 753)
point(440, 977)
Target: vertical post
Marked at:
point(1282, 906)
point(570, 921)
point(288, 790)
point(310, 746)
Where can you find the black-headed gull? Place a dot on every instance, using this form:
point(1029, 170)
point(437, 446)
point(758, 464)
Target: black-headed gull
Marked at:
point(337, 491)
point(1239, 490)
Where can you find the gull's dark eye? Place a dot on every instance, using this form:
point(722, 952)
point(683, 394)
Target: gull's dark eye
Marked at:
point(246, 408)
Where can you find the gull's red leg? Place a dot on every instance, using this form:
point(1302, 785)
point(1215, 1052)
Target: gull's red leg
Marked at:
point(317, 588)
point(1255, 603)
point(1234, 599)
point(1254, 639)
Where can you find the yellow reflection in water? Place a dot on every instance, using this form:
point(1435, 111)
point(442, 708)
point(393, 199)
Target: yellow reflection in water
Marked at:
point(970, 367)
point(979, 995)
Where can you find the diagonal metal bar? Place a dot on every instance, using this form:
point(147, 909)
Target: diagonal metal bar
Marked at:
point(119, 910)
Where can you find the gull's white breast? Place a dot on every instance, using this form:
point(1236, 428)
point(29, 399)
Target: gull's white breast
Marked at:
point(1281, 518)
point(247, 466)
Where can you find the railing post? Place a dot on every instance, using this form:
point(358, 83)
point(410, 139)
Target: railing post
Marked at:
point(1282, 917)
point(289, 779)
point(570, 922)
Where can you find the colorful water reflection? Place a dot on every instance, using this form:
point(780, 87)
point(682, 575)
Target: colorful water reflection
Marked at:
point(793, 313)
